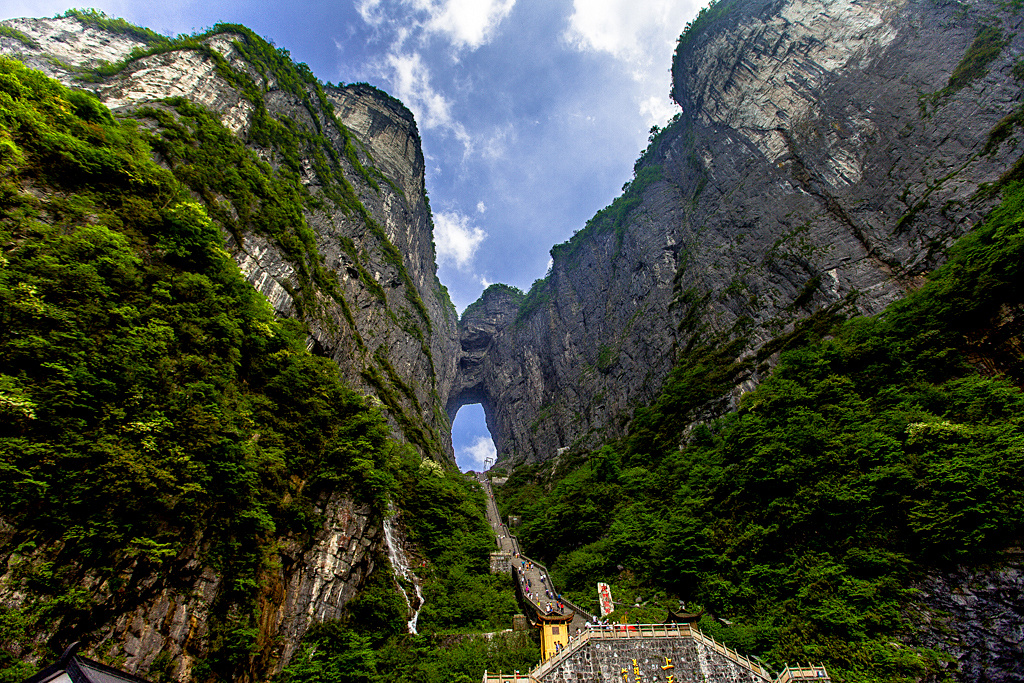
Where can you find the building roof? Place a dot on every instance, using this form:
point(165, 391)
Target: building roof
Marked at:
point(71, 668)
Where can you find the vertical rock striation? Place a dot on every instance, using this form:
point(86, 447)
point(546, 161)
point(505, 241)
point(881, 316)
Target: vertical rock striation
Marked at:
point(825, 156)
point(383, 316)
point(975, 615)
point(401, 336)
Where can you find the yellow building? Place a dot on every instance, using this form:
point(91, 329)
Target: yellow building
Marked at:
point(554, 633)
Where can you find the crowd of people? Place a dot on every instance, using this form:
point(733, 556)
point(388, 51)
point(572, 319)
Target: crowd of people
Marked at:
point(598, 623)
point(543, 595)
point(544, 591)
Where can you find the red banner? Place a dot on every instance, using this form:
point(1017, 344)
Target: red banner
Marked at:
point(604, 594)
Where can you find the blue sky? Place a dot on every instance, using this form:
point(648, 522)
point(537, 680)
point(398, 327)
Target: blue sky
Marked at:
point(531, 112)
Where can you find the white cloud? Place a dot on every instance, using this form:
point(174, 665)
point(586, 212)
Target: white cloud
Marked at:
point(466, 23)
point(411, 79)
point(475, 455)
point(409, 25)
point(412, 86)
point(463, 23)
point(658, 110)
point(641, 35)
point(637, 31)
point(456, 240)
point(370, 11)
point(495, 146)
point(481, 207)
point(484, 282)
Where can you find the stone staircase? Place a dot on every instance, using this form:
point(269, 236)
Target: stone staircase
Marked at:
point(509, 546)
point(653, 653)
point(630, 653)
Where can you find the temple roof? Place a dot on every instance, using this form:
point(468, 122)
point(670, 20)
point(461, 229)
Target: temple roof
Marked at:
point(71, 668)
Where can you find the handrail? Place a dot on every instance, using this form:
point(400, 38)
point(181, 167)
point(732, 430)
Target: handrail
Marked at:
point(817, 673)
point(731, 654)
point(633, 630)
point(620, 631)
point(508, 678)
point(567, 603)
point(517, 548)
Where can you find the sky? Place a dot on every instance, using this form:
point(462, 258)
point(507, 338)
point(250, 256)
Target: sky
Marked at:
point(531, 112)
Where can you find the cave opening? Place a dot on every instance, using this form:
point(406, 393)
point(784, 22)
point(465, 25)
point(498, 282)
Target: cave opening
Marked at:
point(471, 440)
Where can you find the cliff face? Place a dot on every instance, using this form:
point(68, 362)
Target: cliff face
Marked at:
point(364, 282)
point(399, 326)
point(826, 155)
point(974, 614)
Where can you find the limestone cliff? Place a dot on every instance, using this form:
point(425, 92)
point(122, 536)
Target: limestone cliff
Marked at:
point(825, 155)
point(360, 272)
point(393, 321)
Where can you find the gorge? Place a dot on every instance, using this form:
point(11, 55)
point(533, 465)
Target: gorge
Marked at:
point(827, 156)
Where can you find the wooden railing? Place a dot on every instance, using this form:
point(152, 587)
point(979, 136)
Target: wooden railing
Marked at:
point(803, 673)
point(508, 678)
point(641, 631)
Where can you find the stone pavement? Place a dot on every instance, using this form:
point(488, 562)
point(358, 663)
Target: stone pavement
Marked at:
point(535, 574)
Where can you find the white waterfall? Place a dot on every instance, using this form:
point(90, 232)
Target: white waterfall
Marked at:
point(401, 566)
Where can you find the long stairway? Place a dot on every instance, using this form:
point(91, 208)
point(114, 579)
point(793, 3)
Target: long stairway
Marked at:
point(532, 577)
point(597, 655)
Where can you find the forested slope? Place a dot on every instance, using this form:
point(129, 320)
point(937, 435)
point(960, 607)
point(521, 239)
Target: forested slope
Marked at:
point(879, 452)
point(166, 440)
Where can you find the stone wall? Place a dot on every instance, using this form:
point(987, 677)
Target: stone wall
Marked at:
point(392, 335)
point(645, 660)
point(975, 614)
point(384, 331)
point(501, 563)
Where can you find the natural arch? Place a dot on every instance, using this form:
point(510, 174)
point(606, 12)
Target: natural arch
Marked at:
point(479, 325)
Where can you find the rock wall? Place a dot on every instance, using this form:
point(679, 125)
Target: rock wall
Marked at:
point(392, 333)
point(312, 585)
point(822, 157)
point(975, 615)
point(402, 333)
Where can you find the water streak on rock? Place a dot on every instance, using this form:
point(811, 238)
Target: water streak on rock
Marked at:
point(400, 564)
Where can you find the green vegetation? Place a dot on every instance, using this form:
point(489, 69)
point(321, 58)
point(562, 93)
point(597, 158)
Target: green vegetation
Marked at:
point(245, 194)
point(154, 409)
point(515, 293)
point(873, 454)
point(612, 218)
point(986, 48)
point(242, 192)
point(99, 20)
point(716, 9)
point(443, 512)
point(1018, 69)
point(607, 357)
point(446, 520)
point(294, 141)
point(339, 655)
point(18, 36)
point(988, 44)
point(152, 405)
point(538, 297)
point(1002, 130)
